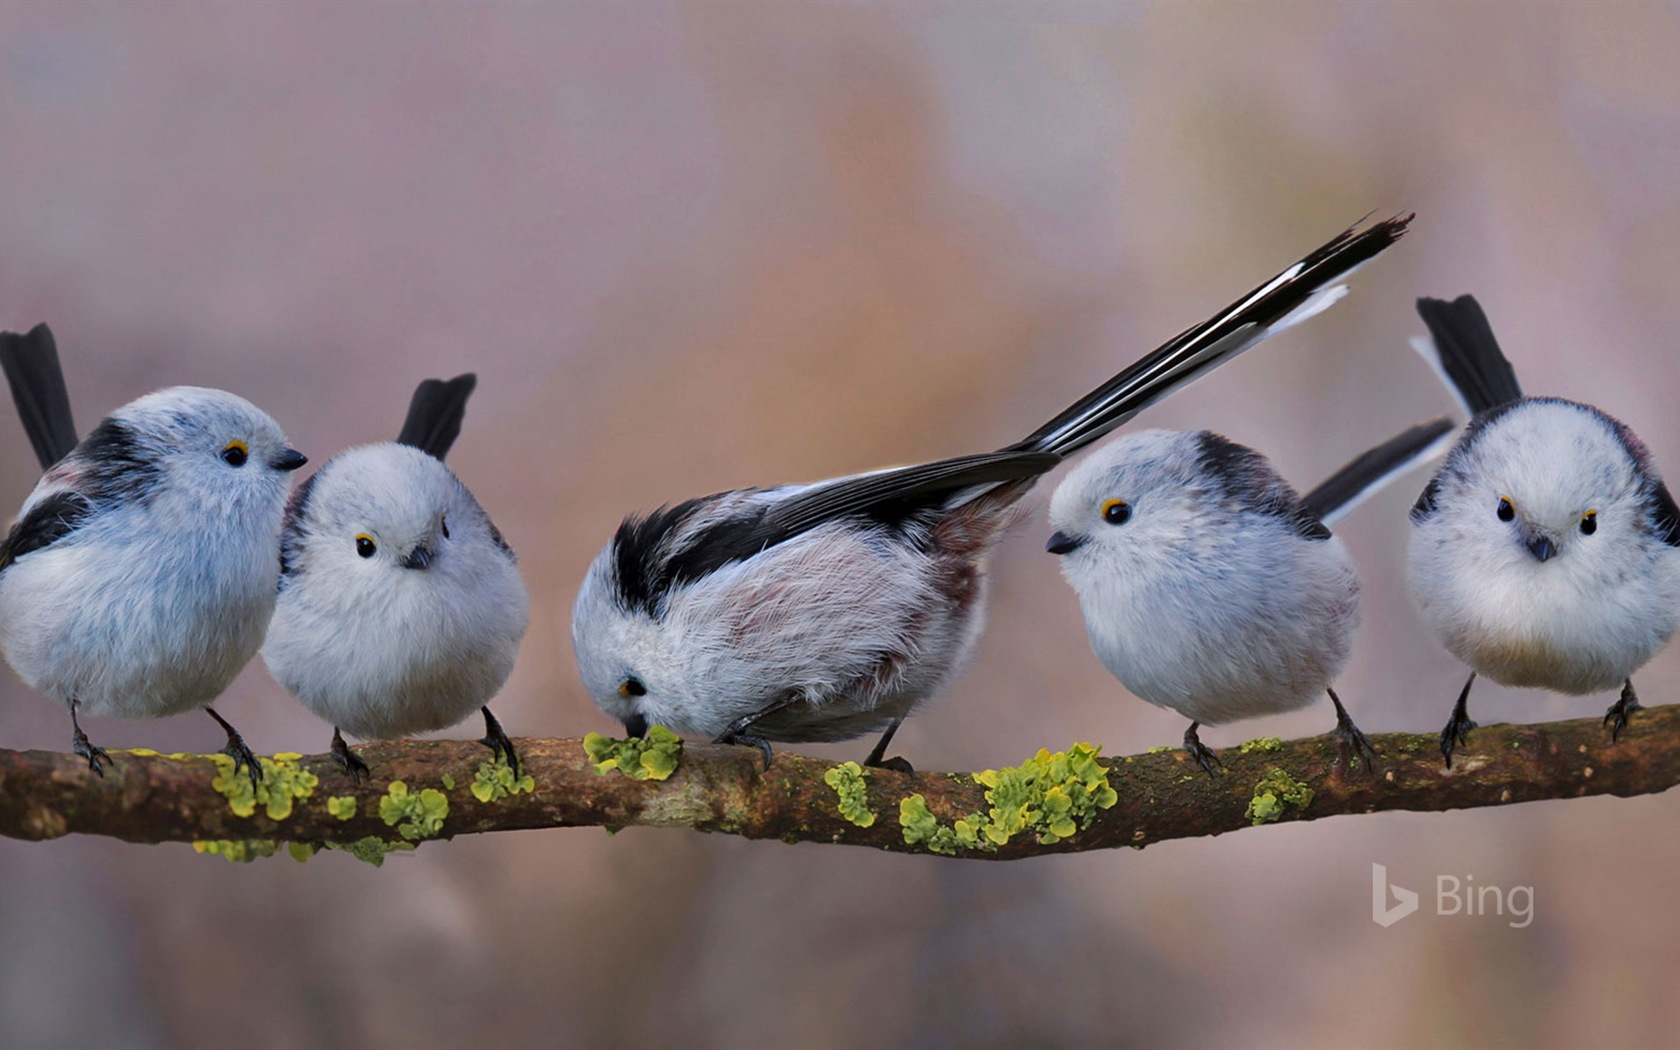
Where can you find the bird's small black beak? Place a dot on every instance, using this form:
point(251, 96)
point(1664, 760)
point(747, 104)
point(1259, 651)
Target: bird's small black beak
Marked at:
point(1062, 543)
point(289, 460)
point(635, 726)
point(418, 558)
point(1542, 547)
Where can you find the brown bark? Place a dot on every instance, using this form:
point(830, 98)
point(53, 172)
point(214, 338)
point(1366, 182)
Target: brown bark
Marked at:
point(1163, 795)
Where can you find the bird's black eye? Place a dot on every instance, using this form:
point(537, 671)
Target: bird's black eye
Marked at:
point(1117, 512)
point(443, 524)
point(1506, 511)
point(632, 686)
point(1589, 523)
point(235, 453)
point(365, 545)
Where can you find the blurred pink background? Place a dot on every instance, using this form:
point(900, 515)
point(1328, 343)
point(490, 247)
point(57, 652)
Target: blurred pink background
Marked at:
point(690, 247)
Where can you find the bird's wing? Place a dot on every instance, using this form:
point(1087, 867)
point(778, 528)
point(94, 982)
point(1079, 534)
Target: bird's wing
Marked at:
point(1665, 514)
point(292, 526)
point(1246, 479)
point(47, 521)
point(111, 467)
point(687, 541)
point(892, 495)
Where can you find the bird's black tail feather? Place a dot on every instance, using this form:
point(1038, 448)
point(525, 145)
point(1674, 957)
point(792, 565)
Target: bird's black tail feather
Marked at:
point(1463, 351)
point(43, 402)
point(435, 414)
point(1348, 487)
point(1292, 296)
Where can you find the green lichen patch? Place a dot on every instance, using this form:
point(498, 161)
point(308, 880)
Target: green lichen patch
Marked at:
point(302, 851)
point(416, 815)
point(847, 780)
point(921, 826)
point(653, 757)
point(1160, 750)
point(1053, 796)
point(342, 806)
point(1273, 796)
point(495, 780)
point(371, 850)
point(1265, 743)
point(284, 782)
point(238, 851)
point(449, 781)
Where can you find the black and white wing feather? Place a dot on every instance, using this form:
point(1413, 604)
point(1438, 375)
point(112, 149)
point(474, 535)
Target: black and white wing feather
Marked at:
point(47, 522)
point(1246, 480)
point(893, 495)
point(110, 467)
point(686, 541)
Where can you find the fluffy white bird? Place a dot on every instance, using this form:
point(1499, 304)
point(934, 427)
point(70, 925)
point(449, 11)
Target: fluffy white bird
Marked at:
point(139, 577)
point(1207, 585)
point(401, 608)
point(830, 610)
point(1546, 550)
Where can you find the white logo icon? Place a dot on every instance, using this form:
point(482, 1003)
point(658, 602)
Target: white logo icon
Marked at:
point(1381, 913)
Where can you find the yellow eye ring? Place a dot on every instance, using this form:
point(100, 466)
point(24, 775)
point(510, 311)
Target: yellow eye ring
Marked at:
point(235, 453)
point(1506, 511)
point(1589, 523)
point(365, 546)
point(1116, 512)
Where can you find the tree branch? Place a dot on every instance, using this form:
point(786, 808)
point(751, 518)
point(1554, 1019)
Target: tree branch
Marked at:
point(1162, 795)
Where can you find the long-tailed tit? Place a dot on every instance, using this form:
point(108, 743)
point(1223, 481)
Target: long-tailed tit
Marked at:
point(829, 610)
point(1546, 550)
point(401, 608)
point(1208, 585)
point(139, 577)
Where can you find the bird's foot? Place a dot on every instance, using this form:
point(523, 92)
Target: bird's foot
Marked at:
point(242, 755)
point(237, 750)
point(498, 742)
point(90, 751)
point(744, 739)
point(1199, 751)
point(1353, 742)
point(1456, 733)
point(1617, 716)
point(352, 764)
point(876, 759)
point(896, 763)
